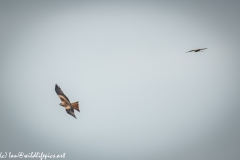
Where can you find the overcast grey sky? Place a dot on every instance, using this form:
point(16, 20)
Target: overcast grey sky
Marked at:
point(141, 96)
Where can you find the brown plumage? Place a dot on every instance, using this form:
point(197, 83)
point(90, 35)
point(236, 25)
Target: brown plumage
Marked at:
point(196, 50)
point(69, 107)
point(75, 106)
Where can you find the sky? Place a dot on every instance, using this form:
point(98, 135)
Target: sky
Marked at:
point(141, 96)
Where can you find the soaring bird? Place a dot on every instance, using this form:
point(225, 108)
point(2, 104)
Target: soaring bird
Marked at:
point(66, 103)
point(196, 50)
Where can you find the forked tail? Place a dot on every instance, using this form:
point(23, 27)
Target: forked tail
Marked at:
point(75, 106)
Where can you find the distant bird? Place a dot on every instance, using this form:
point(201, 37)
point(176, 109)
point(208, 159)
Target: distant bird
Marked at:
point(196, 50)
point(66, 103)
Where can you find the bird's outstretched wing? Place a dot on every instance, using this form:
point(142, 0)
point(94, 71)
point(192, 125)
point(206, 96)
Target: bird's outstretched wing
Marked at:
point(71, 112)
point(61, 95)
point(190, 51)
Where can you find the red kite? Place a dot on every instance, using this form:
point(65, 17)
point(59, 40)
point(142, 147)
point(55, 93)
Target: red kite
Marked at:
point(196, 50)
point(66, 103)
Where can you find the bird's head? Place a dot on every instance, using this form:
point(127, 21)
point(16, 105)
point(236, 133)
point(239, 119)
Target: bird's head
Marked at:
point(60, 104)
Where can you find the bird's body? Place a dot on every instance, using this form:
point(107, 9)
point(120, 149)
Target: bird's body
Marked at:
point(69, 107)
point(196, 50)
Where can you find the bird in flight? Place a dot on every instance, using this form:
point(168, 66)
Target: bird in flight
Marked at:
point(196, 50)
point(66, 103)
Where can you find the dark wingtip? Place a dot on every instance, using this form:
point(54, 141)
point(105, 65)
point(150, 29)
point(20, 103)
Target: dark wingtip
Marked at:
point(56, 86)
point(74, 115)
